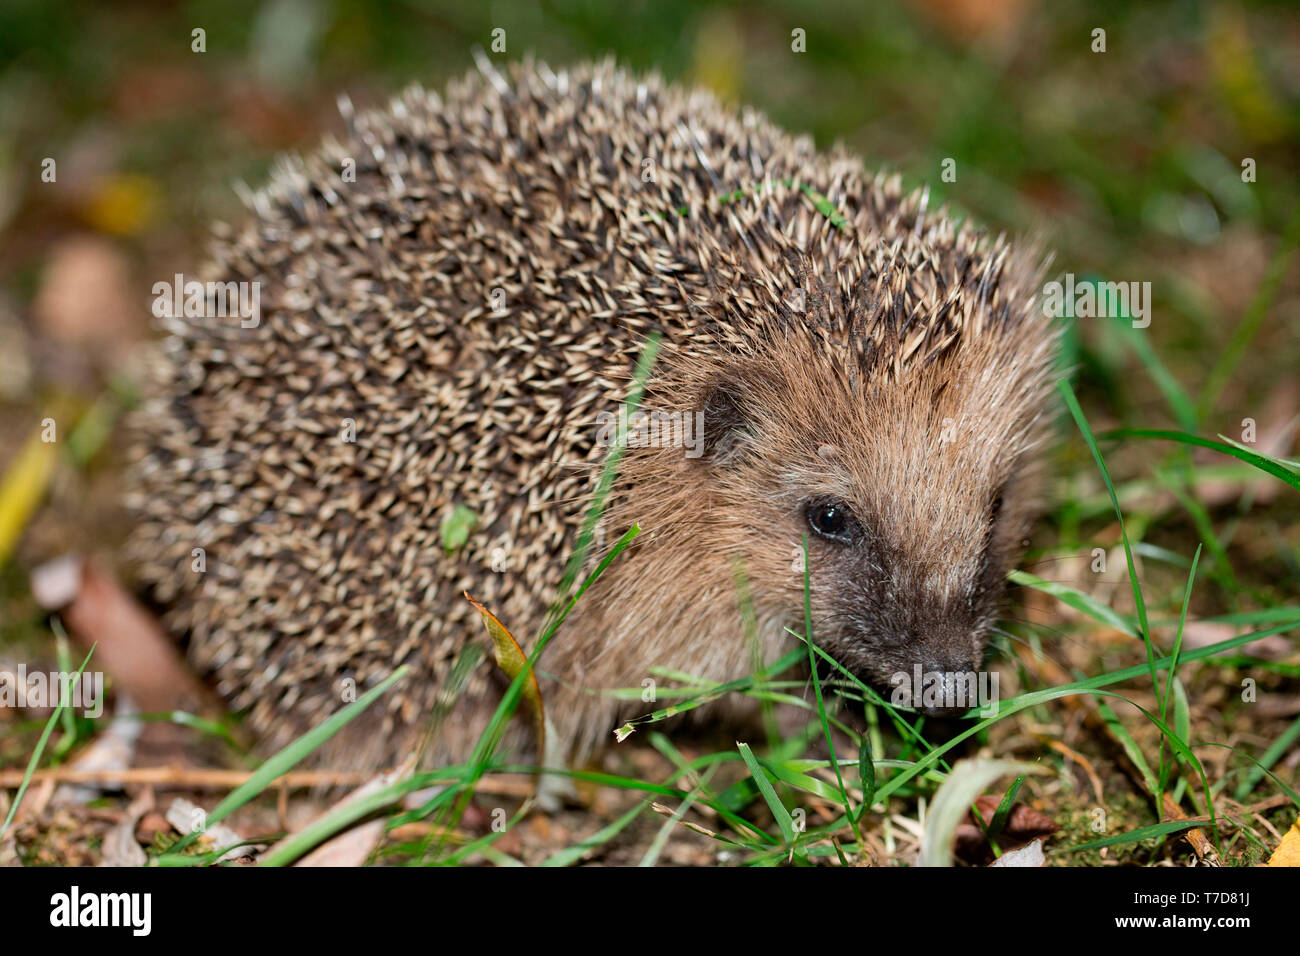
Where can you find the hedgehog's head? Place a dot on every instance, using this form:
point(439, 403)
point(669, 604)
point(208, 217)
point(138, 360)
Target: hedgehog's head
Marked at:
point(914, 488)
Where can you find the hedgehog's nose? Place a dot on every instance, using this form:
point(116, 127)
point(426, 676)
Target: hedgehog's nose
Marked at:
point(948, 684)
point(938, 710)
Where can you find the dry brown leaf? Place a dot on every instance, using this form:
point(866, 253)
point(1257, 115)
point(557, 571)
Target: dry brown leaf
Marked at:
point(131, 645)
point(1024, 824)
point(120, 845)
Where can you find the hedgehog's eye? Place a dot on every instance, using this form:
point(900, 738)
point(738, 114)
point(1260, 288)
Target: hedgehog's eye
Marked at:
point(830, 519)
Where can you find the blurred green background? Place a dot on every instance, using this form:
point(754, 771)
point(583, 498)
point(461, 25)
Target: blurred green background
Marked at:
point(1129, 160)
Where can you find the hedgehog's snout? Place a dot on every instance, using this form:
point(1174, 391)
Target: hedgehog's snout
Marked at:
point(937, 669)
point(916, 630)
point(944, 711)
point(955, 686)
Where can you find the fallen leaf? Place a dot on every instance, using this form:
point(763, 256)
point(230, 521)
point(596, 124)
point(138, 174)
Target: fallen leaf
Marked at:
point(511, 658)
point(186, 817)
point(23, 488)
point(1031, 854)
point(1288, 851)
point(1023, 825)
point(120, 845)
point(129, 643)
point(152, 824)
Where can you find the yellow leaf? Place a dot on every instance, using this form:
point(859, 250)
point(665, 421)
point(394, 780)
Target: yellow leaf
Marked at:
point(23, 488)
point(511, 659)
point(123, 205)
point(1288, 851)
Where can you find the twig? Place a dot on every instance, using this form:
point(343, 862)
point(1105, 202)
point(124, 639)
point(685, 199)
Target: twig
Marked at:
point(201, 778)
point(1195, 836)
point(668, 812)
point(1071, 754)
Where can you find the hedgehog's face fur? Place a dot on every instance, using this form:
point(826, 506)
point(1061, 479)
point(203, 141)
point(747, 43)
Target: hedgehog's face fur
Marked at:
point(915, 495)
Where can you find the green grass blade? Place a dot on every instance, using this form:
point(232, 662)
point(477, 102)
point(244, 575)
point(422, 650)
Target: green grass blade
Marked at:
point(1182, 711)
point(1295, 797)
point(817, 689)
point(1222, 568)
point(484, 843)
point(952, 801)
point(779, 812)
point(487, 743)
point(609, 472)
point(288, 758)
point(713, 693)
point(1172, 678)
point(787, 772)
point(1077, 413)
point(651, 856)
point(1137, 836)
point(1263, 462)
point(867, 773)
point(35, 760)
point(338, 819)
point(1272, 755)
point(65, 665)
point(1000, 815)
point(1016, 704)
point(1130, 747)
point(1076, 599)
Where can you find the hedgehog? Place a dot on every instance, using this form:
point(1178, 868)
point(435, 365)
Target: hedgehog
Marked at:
point(454, 296)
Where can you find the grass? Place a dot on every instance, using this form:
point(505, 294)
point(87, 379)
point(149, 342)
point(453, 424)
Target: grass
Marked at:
point(35, 760)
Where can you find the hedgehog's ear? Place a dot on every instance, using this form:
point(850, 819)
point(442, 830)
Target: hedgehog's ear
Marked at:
point(728, 423)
